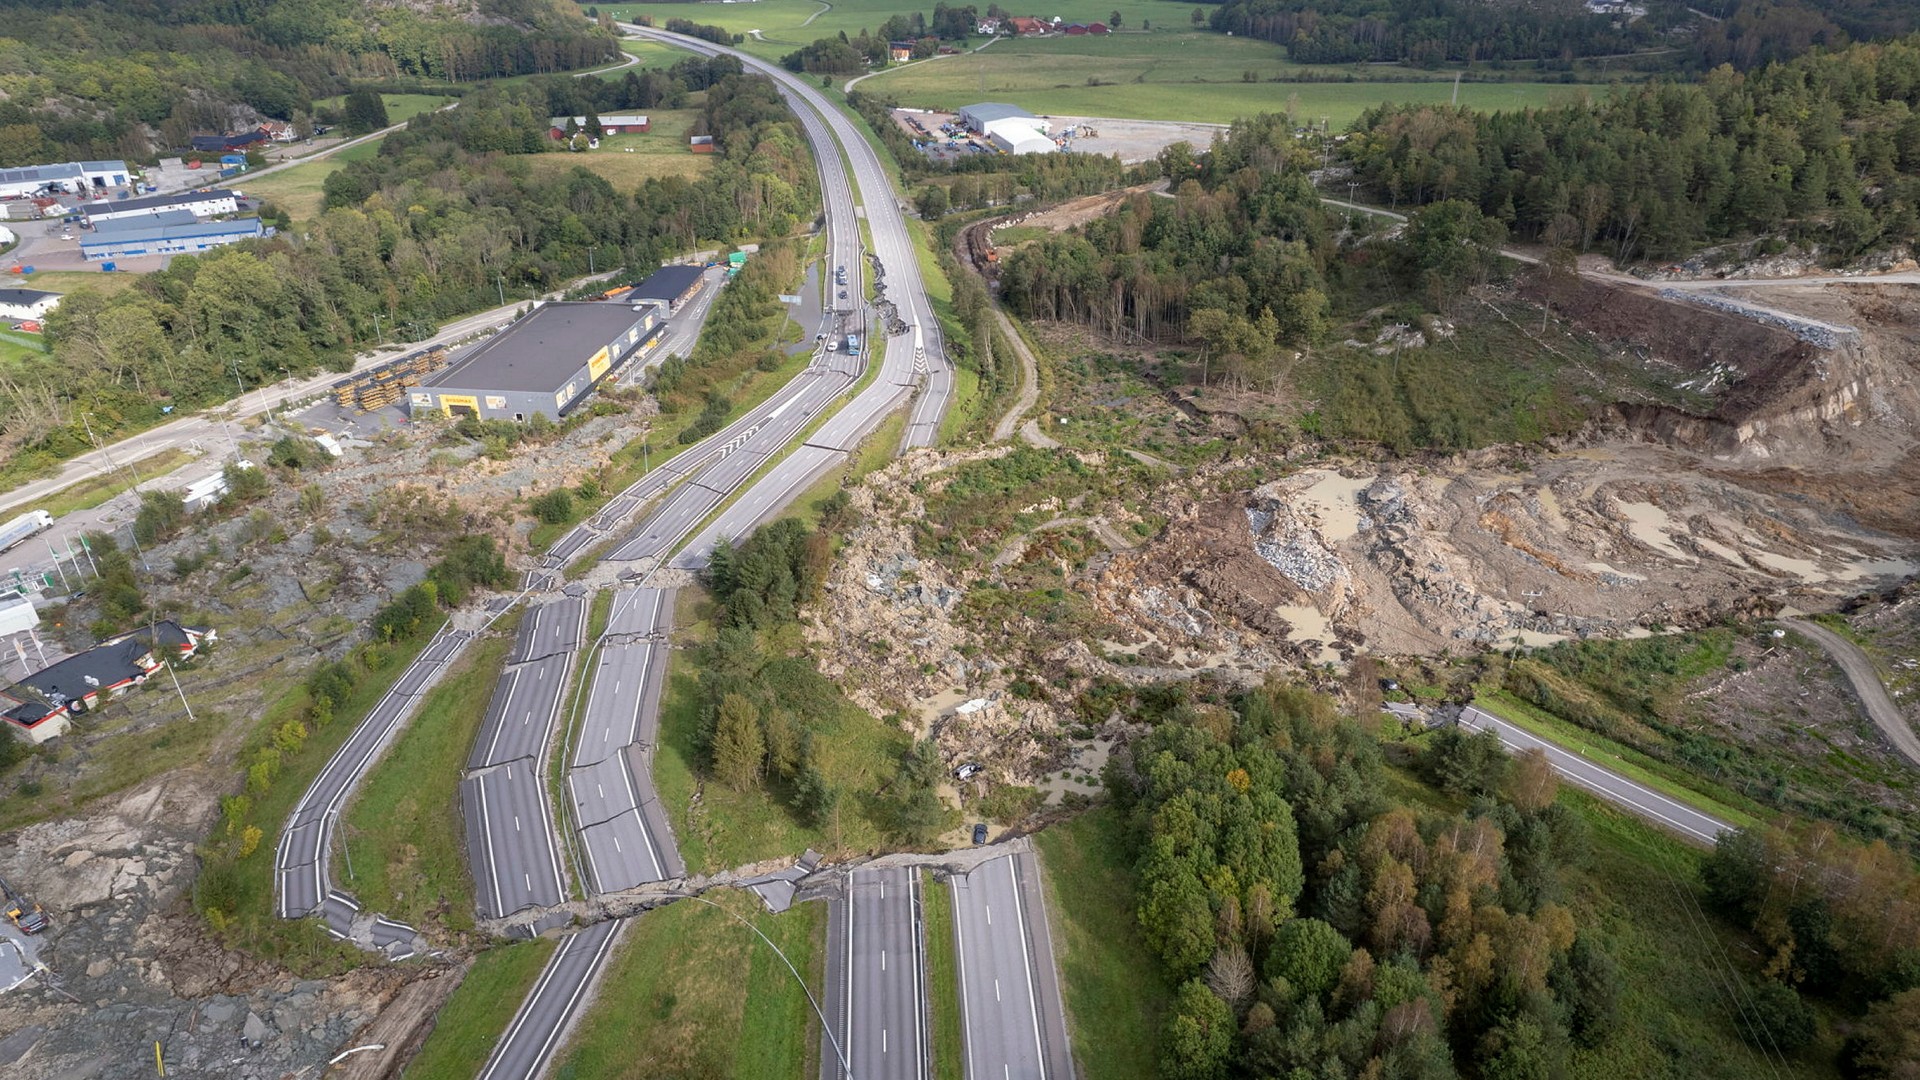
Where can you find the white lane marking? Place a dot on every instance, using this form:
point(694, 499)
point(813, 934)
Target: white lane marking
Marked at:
point(883, 959)
point(516, 823)
point(996, 989)
point(989, 908)
point(1026, 959)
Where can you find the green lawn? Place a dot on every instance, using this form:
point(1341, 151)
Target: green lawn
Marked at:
point(66, 281)
point(401, 833)
point(301, 189)
point(1112, 985)
point(1198, 77)
point(473, 1019)
point(626, 160)
point(943, 979)
point(729, 828)
point(1666, 779)
point(690, 992)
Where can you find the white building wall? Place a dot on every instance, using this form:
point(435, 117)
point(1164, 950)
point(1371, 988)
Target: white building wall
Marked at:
point(204, 208)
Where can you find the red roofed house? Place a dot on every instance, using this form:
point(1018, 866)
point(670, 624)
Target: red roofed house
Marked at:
point(1097, 28)
point(1023, 25)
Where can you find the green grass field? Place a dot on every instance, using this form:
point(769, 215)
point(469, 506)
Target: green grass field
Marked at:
point(1111, 982)
point(626, 160)
point(473, 1019)
point(402, 834)
point(66, 281)
point(1194, 77)
point(691, 992)
point(943, 979)
point(301, 189)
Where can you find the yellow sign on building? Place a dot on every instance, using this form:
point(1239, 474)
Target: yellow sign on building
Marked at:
point(597, 366)
point(450, 402)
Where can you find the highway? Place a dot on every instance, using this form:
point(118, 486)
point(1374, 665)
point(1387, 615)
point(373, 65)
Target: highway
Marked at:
point(536, 1030)
point(876, 978)
point(1597, 779)
point(510, 835)
point(302, 878)
point(1013, 1024)
point(624, 835)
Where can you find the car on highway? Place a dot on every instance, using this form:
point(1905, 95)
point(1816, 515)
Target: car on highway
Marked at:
point(980, 833)
point(843, 294)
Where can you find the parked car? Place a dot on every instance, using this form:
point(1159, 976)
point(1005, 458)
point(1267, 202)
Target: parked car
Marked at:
point(968, 771)
point(980, 833)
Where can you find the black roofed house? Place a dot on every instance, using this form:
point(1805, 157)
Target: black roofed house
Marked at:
point(169, 640)
point(42, 703)
point(228, 142)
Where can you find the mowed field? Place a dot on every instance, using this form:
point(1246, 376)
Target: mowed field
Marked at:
point(626, 160)
point(400, 107)
point(1194, 77)
point(301, 190)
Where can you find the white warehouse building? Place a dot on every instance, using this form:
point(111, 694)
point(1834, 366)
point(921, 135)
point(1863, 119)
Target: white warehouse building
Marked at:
point(1013, 138)
point(72, 177)
point(982, 118)
point(201, 204)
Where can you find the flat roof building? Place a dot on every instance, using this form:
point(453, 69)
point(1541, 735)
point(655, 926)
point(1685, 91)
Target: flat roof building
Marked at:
point(169, 232)
point(69, 176)
point(981, 117)
point(544, 363)
point(670, 285)
point(1015, 139)
point(27, 303)
point(201, 204)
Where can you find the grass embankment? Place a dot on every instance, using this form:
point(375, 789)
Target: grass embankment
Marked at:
point(1640, 890)
point(473, 1019)
point(95, 490)
point(943, 979)
point(1694, 791)
point(856, 752)
point(66, 281)
point(403, 851)
point(302, 945)
point(1114, 995)
point(689, 991)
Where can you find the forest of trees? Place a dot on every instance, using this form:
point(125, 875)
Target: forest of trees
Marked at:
point(1431, 32)
point(132, 78)
point(1311, 928)
point(1824, 148)
point(435, 226)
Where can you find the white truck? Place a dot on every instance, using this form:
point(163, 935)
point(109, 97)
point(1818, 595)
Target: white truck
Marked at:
point(23, 527)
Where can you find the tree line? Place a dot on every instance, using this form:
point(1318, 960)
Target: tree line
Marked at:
point(1823, 149)
point(134, 78)
point(425, 231)
point(1431, 32)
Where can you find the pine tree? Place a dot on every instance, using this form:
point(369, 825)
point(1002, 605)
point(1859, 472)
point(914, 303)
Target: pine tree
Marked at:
point(739, 748)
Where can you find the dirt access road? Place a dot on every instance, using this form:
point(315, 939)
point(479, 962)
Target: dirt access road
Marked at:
point(1866, 685)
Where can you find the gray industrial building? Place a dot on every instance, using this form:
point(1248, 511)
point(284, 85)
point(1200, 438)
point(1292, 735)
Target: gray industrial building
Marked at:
point(544, 363)
point(671, 285)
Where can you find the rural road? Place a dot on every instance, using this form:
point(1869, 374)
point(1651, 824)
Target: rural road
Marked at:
point(1013, 1025)
point(1596, 779)
point(1029, 378)
point(1867, 686)
point(876, 977)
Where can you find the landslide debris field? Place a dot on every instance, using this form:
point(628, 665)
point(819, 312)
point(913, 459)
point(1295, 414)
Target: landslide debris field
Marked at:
point(1699, 467)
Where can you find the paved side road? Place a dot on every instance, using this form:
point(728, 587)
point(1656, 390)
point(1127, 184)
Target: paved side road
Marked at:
point(1867, 686)
point(1013, 1020)
point(556, 1001)
point(1636, 797)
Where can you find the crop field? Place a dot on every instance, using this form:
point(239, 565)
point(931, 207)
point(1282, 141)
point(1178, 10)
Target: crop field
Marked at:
point(626, 160)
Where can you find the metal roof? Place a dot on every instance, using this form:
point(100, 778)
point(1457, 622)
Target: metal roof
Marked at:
point(148, 202)
point(25, 296)
point(988, 111)
point(541, 351)
point(668, 283)
point(152, 227)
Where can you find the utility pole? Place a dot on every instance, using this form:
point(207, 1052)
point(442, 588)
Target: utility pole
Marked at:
point(500, 285)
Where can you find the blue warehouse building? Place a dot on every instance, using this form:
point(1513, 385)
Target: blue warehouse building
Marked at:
point(174, 232)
